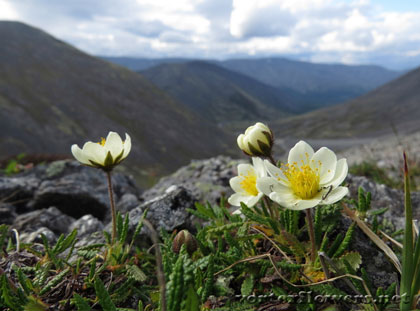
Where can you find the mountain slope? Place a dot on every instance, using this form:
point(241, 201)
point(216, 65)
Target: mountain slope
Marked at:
point(310, 86)
point(320, 84)
point(392, 107)
point(52, 95)
point(218, 94)
point(139, 64)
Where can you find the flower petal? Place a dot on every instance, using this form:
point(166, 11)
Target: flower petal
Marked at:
point(235, 184)
point(236, 199)
point(302, 151)
point(341, 171)
point(325, 161)
point(284, 199)
point(335, 195)
point(79, 155)
point(259, 167)
point(94, 152)
point(244, 169)
point(114, 144)
point(252, 200)
point(241, 143)
point(276, 173)
point(304, 204)
point(127, 146)
point(266, 185)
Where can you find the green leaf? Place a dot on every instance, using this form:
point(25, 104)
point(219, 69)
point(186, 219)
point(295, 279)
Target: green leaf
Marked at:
point(81, 303)
point(103, 296)
point(35, 304)
point(7, 295)
point(192, 303)
point(64, 243)
point(408, 268)
point(346, 241)
point(135, 273)
point(54, 281)
point(379, 211)
point(124, 230)
point(354, 259)
point(247, 286)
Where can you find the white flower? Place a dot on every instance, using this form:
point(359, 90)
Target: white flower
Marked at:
point(245, 184)
point(257, 140)
point(105, 154)
point(307, 180)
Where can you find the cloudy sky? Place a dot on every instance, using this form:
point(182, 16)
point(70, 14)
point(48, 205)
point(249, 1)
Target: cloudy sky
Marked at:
point(385, 32)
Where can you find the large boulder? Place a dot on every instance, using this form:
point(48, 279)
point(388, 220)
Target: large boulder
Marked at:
point(207, 180)
point(74, 189)
point(383, 196)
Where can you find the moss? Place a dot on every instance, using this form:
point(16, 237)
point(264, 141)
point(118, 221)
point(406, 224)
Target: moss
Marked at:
point(377, 174)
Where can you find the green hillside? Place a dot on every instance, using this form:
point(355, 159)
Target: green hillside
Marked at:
point(392, 107)
point(218, 94)
point(52, 95)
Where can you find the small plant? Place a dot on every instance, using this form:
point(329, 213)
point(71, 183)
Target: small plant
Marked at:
point(14, 166)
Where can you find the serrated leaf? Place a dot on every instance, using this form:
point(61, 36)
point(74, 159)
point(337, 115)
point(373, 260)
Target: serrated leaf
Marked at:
point(353, 258)
point(81, 303)
point(247, 286)
point(64, 243)
point(136, 273)
point(103, 296)
point(35, 304)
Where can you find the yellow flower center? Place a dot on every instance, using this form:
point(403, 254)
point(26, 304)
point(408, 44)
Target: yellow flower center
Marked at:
point(303, 180)
point(102, 142)
point(249, 183)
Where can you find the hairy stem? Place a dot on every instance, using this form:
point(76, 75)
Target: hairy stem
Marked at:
point(311, 234)
point(159, 264)
point(111, 199)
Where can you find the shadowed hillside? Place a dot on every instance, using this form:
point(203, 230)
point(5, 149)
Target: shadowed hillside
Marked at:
point(218, 94)
point(52, 95)
point(394, 106)
point(319, 84)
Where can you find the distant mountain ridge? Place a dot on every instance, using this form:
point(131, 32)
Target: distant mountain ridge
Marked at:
point(53, 95)
point(392, 108)
point(221, 95)
point(309, 85)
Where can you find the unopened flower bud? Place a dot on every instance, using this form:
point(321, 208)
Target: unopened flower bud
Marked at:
point(184, 237)
point(257, 140)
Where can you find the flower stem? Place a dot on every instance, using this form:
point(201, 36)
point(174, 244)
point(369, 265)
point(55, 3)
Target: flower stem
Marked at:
point(311, 234)
point(268, 205)
point(111, 199)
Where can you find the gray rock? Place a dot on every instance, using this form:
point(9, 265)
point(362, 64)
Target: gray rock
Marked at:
point(18, 190)
point(207, 180)
point(383, 196)
point(86, 225)
point(7, 213)
point(381, 271)
point(74, 189)
point(51, 218)
point(166, 212)
point(127, 202)
point(35, 236)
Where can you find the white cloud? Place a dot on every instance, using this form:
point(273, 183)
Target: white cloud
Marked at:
point(323, 30)
point(6, 11)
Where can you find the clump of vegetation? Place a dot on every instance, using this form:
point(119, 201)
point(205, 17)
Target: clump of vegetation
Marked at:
point(371, 170)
